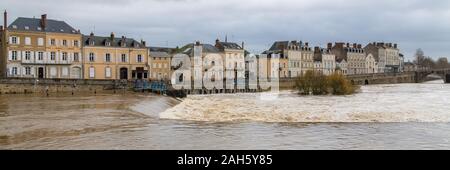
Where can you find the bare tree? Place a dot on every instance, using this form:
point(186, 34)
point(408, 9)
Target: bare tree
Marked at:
point(442, 63)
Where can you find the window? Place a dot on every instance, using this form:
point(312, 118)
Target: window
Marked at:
point(108, 72)
point(108, 57)
point(108, 44)
point(139, 58)
point(64, 56)
point(27, 71)
point(14, 40)
point(27, 27)
point(91, 72)
point(27, 41)
point(27, 55)
point(40, 56)
point(14, 55)
point(91, 57)
point(124, 58)
point(64, 42)
point(40, 42)
point(75, 43)
point(14, 71)
point(65, 71)
point(53, 56)
point(76, 57)
point(53, 42)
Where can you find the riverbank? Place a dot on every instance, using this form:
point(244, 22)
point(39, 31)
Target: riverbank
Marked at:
point(137, 121)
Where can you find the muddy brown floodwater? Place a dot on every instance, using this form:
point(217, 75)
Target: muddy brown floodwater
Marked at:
point(403, 116)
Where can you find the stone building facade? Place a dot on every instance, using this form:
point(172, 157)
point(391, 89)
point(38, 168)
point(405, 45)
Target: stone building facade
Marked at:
point(41, 48)
point(114, 58)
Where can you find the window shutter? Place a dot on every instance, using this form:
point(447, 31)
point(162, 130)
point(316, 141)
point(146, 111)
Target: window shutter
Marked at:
point(9, 55)
point(91, 72)
point(19, 55)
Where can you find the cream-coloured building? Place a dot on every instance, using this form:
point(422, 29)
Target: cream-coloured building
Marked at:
point(234, 63)
point(387, 56)
point(324, 60)
point(41, 48)
point(354, 55)
point(160, 63)
point(111, 58)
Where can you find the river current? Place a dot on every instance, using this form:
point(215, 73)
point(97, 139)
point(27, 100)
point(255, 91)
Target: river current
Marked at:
point(400, 116)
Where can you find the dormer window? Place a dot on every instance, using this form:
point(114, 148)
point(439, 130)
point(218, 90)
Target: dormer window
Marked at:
point(27, 27)
point(91, 42)
point(39, 28)
point(14, 26)
point(107, 43)
point(62, 30)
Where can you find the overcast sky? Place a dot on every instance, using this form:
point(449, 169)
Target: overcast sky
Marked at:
point(410, 23)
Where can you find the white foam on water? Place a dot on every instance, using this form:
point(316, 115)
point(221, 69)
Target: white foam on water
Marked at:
point(379, 103)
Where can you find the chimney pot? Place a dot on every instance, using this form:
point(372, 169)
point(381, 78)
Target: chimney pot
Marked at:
point(197, 43)
point(330, 45)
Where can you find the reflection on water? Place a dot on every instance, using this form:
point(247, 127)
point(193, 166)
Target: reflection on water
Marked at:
point(133, 121)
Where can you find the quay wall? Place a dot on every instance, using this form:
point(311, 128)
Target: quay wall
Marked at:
point(21, 86)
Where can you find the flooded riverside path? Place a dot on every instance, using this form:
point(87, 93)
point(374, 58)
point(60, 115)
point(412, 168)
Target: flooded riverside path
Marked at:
point(400, 116)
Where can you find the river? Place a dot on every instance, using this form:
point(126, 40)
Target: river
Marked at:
point(400, 116)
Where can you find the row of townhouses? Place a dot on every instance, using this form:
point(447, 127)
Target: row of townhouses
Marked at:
point(46, 48)
point(296, 57)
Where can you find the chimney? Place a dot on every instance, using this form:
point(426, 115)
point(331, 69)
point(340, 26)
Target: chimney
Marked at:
point(243, 44)
point(197, 43)
point(92, 34)
point(217, 41)
point(354, 45)
point(44, 21)
point(395, 46)
point(143, 43)
point(112, 36)
point(307, 44)
point(330, 45)
point(5, 20)
point(317, 49)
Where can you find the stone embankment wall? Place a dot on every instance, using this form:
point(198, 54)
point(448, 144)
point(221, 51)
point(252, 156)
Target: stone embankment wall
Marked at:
point(21, 86)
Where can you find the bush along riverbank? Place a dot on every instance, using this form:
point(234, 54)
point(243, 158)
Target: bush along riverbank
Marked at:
point(316, 83)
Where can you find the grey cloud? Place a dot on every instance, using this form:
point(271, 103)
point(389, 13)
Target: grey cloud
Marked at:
point(411, 23)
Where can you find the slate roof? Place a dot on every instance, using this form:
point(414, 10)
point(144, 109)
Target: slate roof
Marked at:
point(159, 54)
point(230, 45)
point(281, 45)
point(34, 24)
point(207, 48)
point(101, 41)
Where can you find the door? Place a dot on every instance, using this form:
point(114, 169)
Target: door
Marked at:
point(40, 72)
point(124, 74)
